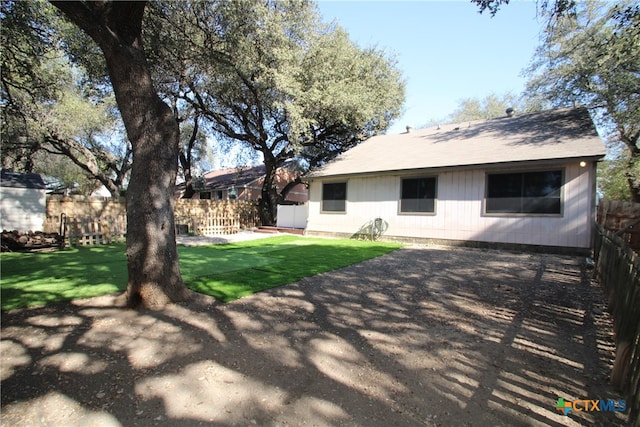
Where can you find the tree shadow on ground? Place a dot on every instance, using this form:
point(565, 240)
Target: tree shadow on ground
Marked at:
point(421, 336)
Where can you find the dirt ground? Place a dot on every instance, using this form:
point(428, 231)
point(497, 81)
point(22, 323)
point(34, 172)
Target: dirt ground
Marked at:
point(422, 336)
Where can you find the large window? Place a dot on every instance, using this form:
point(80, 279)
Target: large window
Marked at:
point(334, 196)
point(524, 193)
point(418, 195)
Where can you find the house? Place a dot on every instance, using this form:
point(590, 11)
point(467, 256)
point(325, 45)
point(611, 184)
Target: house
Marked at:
point(520, 180)
point(245, 183)
point(23, 201)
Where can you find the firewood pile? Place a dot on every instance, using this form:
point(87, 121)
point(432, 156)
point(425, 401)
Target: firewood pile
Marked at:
point(14, 241)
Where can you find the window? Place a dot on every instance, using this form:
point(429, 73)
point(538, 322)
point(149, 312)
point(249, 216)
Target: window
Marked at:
point(205, 195)
point(524, 192)
point(418, 195)
point(334, 196)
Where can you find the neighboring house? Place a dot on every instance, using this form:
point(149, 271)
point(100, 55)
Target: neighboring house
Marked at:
point(101, 191)
point(516, 180)
point(246, 184)
point(23, 201)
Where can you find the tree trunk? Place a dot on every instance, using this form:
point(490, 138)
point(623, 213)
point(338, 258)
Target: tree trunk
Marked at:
point(189, 191)
point(152, 256)
point(269, 201)
point(632, 180)
point(153, 267)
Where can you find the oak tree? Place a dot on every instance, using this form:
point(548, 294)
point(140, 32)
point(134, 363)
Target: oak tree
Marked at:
point(153, 270)
point(49, 114)
point(273, 77)
point(592, 58)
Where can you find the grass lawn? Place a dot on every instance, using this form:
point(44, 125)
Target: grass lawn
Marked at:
point(226, 272)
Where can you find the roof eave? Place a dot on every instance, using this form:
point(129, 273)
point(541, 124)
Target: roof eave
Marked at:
point(434, 169)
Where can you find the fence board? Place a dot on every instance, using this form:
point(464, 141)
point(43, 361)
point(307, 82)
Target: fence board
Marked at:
point(623, 218)
point(618, 271)
point(85, 221)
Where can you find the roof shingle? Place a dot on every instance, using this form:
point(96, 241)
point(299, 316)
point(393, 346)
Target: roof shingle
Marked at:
point(549, 135)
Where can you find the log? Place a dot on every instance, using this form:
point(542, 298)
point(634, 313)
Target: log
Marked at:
point(14, 241)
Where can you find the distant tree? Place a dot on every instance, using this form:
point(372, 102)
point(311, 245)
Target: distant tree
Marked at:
point(152, 259)
point(491, 106)
point(612, 181)
point(593, 58)
point(271, 76)
point(193, 152)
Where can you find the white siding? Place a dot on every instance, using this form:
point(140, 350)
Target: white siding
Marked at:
point(459, 211)
point(22, 209)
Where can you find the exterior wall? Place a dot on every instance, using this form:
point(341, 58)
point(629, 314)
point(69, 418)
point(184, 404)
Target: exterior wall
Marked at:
point(459, 210)
point(22, 209)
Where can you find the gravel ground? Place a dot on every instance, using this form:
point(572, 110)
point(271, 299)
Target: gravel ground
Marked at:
point(220, 239)
point(422, 336)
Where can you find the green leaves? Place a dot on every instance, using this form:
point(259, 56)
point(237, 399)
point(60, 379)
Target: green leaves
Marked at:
point(273, 76)
point(48, 107)
point(593, 58)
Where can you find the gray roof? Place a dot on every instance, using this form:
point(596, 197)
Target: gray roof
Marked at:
point(21, 180)
point(549, 135)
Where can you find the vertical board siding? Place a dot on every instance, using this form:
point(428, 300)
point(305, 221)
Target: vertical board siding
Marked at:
point(459, 211)
point(22, 209)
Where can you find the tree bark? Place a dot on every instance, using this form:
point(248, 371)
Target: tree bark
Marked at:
point(268, 206)
point(185, 157)
point(152, 257)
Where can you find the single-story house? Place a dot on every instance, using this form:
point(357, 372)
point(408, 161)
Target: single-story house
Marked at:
point(245, 183)
point(23, 201)
point(519, 180)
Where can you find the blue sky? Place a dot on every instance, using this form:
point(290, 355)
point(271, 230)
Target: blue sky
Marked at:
point(446, 50)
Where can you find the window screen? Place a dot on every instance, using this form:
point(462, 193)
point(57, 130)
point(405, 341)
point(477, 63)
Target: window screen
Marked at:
point(524, 192)
point(418, 195)
point(334, 196)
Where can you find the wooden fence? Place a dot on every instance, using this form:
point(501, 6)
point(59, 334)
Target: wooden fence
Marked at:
point(206, 217)
point(618, 271)
point(623, 218)
point(88, 230)
point(90, 220)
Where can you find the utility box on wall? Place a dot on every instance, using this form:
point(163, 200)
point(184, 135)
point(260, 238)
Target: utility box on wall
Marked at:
point(22, 201)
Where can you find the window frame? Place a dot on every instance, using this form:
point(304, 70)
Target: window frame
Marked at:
point(522, 172)
point(435, 195)
point(322, 199)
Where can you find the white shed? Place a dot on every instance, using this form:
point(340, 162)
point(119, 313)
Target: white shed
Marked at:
point(23, 201)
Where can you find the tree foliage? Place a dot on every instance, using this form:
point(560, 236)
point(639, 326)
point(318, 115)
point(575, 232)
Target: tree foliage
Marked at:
point(47, 108)
point(593, 58)
point(272, 76)
point(612, 181)
point(552, 8)
point(492, 106)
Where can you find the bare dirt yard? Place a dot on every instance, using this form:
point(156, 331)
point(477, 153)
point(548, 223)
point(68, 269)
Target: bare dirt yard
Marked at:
point(422, 336)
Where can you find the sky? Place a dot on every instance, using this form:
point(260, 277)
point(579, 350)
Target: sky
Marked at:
point(446, 50)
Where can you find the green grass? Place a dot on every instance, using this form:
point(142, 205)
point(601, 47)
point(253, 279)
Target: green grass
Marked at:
point(227, 272)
